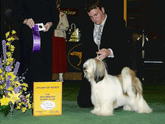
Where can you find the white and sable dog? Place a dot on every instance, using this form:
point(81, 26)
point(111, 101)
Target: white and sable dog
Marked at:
point(109, 92)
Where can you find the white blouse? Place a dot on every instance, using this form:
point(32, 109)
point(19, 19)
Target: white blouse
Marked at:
point(62, 26)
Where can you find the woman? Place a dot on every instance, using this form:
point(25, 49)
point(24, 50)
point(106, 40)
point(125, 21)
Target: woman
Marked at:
point(59, 63)
point(26, 14)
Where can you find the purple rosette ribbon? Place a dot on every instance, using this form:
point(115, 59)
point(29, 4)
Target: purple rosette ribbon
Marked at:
point(36, 39)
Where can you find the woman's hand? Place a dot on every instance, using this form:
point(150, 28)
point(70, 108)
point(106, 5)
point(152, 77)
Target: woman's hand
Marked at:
point(47, 26)
point(29, 22)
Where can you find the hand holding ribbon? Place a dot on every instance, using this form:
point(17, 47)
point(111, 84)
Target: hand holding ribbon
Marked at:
point(35, 30)
point(29, 22)
point(47, 26)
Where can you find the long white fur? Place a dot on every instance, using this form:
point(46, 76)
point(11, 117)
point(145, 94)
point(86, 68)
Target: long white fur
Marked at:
point(112, 92)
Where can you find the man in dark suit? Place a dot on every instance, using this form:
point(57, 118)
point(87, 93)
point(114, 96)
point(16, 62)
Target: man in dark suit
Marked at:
point(112, 47)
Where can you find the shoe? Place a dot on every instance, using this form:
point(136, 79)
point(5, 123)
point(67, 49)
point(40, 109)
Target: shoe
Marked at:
point(59, 80)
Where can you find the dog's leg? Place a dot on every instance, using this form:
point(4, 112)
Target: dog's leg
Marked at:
point(96, 104)
point(96, 109)
point(143, 106)
point(139, 105)
point(106, 108)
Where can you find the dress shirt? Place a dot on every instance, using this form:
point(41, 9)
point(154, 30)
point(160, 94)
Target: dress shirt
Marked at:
point(94, 34)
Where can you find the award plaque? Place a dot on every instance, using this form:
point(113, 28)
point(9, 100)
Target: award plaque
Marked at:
point(41, 26)
point(47, 98)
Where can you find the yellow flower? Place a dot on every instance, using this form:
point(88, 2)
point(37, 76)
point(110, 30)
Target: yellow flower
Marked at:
point(4, 101)
point(10, 74)
point(10, 39)
point(0, 77)
point(19, 104)
point(20, 91)
point(14, 97)
point(23, 109)
point(27, 101)
point(18, 107)
point(25, 85)
point(9, 60)
point(24, 88)
point(13, 32)
point(1, 87)
point(7, 34)
point(7, 44)
point(29, 106)
point(16, 83)
point(12, 48)
point(0, 71)
point(27, 96)
point(8, 54)
point(10, 89)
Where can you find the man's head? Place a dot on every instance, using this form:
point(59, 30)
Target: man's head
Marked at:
point(95, 11)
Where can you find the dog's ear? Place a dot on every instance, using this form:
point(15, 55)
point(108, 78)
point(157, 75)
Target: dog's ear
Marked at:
point(100, 71)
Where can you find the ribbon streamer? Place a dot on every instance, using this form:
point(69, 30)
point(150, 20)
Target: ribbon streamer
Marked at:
point(36, 39)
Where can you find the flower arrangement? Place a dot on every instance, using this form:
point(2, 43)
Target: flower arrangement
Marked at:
point(12, 87)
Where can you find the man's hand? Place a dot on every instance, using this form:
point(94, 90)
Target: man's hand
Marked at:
point(103, 53)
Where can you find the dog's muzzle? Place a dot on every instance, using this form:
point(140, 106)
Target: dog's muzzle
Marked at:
point(85, 70)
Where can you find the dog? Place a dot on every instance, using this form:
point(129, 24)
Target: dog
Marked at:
point(109, 92)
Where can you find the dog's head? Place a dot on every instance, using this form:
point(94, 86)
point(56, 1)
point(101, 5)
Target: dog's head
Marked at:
point(94, 69)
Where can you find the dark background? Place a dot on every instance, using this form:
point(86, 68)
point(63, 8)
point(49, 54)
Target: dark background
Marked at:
point(113, 8)
point(155, 27)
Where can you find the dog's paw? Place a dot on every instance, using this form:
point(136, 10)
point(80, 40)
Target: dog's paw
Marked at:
point(145, 111)
point(94, 111)
point(105, 114)
point(127, 108)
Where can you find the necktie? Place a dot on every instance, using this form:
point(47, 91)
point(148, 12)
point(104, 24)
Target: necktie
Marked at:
point(98, 35)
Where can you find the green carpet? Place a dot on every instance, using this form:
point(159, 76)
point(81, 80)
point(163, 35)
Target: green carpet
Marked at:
point(154, 94)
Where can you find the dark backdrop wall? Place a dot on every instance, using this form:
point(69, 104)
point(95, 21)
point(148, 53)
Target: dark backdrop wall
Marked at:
point(157, 16)
point(113, 8)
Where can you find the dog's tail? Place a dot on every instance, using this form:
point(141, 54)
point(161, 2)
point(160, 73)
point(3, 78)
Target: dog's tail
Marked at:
point(133, 88)
point(131, 84)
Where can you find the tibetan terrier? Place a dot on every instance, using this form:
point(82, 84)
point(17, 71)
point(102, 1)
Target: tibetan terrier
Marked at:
point(110, 92)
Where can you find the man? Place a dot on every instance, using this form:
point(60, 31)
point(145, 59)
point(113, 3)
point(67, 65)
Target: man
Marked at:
point(106, 40)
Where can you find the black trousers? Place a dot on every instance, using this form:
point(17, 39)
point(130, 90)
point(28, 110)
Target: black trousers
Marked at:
point(37, 64)
point(84, 96)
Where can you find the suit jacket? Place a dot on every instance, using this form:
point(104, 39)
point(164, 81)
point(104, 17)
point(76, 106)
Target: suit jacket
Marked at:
point(114, 36)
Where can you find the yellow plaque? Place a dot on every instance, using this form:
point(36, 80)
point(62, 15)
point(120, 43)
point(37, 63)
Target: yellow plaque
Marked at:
point(47, 98)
